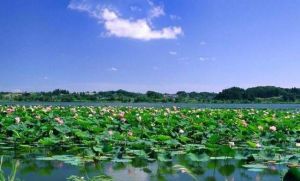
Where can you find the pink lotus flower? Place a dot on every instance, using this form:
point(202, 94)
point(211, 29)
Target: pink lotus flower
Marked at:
point(75, 116)
point(244, 123)
point(17, 120)
point(168, 110)
point(139, 118)
point(92, 111)
point(130, 133)
point(231, 144)
point(123, 120)
point(47, 109)
point(73, 110)
point(10, 110)
point(273, 128)
point(121, 115)
point(59, 121)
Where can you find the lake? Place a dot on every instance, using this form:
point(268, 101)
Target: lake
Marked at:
point(28, 168)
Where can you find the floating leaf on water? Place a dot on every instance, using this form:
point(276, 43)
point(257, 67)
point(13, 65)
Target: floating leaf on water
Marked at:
point(128, 157)
point(140, 153)
point(164, 158)
point(44, 158)
point(151, 159)
point(293, 160)
point(194, 146)
point(6, 147)
point(293, 165)
point(251, 144)
point(26, 146)
point(121, 160)
point(240, 157)
point(95, 178)
point(48, 141)
point(255, 166)
point(102, 178)
point(179, 152)
point(68, 159)
point(102, 158)
point(98, 148)
point(198, 158)
point(221, 158)
point(255, 170)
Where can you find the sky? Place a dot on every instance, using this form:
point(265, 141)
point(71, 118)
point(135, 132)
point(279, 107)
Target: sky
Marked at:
point(140, 45)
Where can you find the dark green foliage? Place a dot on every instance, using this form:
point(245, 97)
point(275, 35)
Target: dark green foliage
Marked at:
point(154, 95)
point(261, 94)
point(234, 93)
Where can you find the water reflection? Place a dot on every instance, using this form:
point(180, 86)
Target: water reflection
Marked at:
point(14, 164)
point(181, 168)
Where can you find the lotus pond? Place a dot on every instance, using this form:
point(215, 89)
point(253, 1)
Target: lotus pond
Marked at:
point(127, 143)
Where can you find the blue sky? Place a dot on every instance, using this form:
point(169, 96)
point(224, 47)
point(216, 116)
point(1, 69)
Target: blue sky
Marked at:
point(140, 45)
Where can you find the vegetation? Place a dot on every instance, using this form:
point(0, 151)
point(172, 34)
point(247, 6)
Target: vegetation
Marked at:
point(267, 94)
point(147, 131)
point(140, 135)
point(260, 94)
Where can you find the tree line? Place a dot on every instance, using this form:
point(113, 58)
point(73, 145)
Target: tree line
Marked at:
point(264, 94)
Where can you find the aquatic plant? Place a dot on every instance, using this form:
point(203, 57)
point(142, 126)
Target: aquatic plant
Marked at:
point(121, 133)
point(14, 166)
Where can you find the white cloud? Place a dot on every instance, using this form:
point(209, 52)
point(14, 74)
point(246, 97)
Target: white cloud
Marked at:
point(113, 69)
point(135, 9)
point(117, 26)
point(202, 43)
point(156, 11)
point(172, 53)
point(183, 58)
point(150, 2)
point(203, 59)
point(138, 29)
point(155, 68)
point(174, 17)
point(85, 7)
